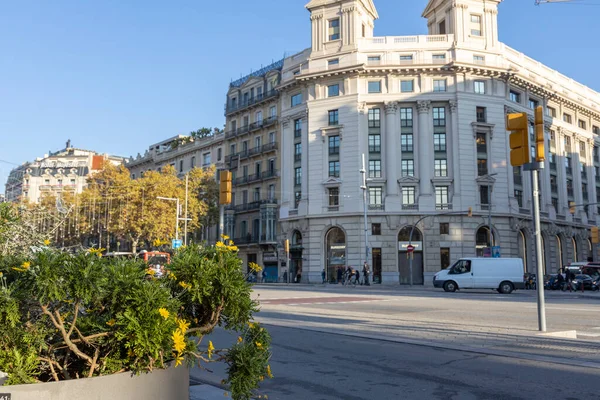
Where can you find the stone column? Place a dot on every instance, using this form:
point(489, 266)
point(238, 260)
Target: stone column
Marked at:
point(391, 150)
point(286, 151)
point(591, 173)
point(561, 176)
point(452, 151)
point(425, 151)
point(577, 181)
point(304, 164)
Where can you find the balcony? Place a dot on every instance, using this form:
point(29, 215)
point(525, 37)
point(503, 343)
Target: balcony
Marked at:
point(270, 174)
point(268, 240)
point(252, 206)
point(376, 207)
point(270, 121)
point(443, 206)
point(45, 187)
point(410, 207)
point(250, 102)
point(256, 177)
point(246, 240)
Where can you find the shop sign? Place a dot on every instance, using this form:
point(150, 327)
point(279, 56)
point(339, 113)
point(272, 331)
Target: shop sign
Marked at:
point(270, 257)
point(417, 246)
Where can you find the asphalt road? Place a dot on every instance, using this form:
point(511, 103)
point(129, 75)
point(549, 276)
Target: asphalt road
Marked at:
point(320, 366)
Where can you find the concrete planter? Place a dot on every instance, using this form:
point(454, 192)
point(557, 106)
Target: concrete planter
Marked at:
point(172, 383)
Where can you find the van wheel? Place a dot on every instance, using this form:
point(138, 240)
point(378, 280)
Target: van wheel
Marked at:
point(450, 286)
point(506, 287)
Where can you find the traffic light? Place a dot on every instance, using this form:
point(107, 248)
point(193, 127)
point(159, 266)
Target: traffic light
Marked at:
point(540, 154)
point(470, 212)
point(287, 246)
point(518, 124)
point(595, 234)
point(225, 188)
point(572, 207)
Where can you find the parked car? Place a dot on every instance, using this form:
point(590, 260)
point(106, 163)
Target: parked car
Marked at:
point(501, 274)
point(587, 281)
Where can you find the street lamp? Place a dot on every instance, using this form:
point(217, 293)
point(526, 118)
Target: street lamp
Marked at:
point(176, 214)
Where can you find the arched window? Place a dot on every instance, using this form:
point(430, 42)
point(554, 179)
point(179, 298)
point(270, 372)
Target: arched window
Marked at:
point(404, 234)
point(482, 240)
point(335, 247)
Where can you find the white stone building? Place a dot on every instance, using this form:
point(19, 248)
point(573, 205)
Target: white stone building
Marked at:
point(428, 112)
point(66, 170)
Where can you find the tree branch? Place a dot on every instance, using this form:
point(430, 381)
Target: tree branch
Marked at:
point(212, 323)
point(60, 326)
point(50, 363)
point(93, 366)
point(74, 319)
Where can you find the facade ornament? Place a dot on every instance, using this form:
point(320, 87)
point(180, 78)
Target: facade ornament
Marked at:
point(362, 107)
point(423, 106)
point(509, 110)
point(491, 11)
point(316, 17)
point(453, 106)
point(286, 121)
point(547, 126)
point(348, 9)
point(391, 107)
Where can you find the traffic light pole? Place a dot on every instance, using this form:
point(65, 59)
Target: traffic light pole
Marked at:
point(541, 303)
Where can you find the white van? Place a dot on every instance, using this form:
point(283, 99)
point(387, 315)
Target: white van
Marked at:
point(501, 274)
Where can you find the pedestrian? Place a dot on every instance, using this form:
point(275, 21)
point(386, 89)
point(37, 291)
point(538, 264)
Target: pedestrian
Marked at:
point(366, 273)
point(264, 276)
point(358, 277)
point(285, 277)
point(339, 274)
point(323, 275)
point(569, 279)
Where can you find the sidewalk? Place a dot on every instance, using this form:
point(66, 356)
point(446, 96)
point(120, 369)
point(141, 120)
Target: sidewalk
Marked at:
point(208, 392)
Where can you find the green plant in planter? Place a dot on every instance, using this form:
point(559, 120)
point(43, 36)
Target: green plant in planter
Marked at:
point(72, 316)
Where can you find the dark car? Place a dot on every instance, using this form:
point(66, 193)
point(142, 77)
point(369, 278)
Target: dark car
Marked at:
point(588, 282)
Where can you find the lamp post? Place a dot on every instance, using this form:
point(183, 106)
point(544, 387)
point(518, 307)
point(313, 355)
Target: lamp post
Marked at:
point(364, 188)
point(489, 189)
point(176, 214)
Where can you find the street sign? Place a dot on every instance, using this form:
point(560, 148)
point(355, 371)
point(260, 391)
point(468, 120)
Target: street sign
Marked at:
point(410, 248)
point(496, 252)
point(177, 243)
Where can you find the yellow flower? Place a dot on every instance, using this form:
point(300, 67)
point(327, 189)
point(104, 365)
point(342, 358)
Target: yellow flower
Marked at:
point(250, 325)
point(164, 312)
point(269, 374)
point(178, 341)
point(183, 324)
point(258, 344)
point(150, 271)
point(97, 251)
point(130, 353)
point(224, 237)
point(225, 394)
point(262, 378)
point(1, 274)
point(240, 340)
point(210, 349)
point(178, 360)
point(254, 267)
point(232, 247)
point(111, 322)
point(46, 242)
point(26, 265)
point(185, 285)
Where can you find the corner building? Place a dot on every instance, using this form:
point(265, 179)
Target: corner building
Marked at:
point(428, 113)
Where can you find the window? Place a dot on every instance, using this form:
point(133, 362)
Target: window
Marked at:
point(439, 116)
point(271, 192)
point(296, 99)
point(333, 90)
point(481, 114)
point(551, 112)
point(257, 194)
point(441, 196)
point(408, 195)
point(297, 198)
point(246, 120)
point(519, 197)
point(444, 228)
point(374, 86)
point(475, 25)
point(233, 126)
point(440, 167)
point(334, 197)
point(484, 198)
point(234, 102)
point(298, 176)
point(482, 167)
point(439, 85)
point(297, 128)
point(297, 72)
point(533, 103)
point(406, 117)
point(193, 162)
point(439, 57)
point(567, 118)
point(219, 154)
point(373, 60)
point(180, 165)
point(406, 143)
point(478, 60)
point(407, 86)
point(375, 196)
point(245, 147)
point(375, 229)
point(439, 142)
point(444, 257)
point(406, 59)
point(334, 169)
point(581, 123)
point(297, 151)
point(334, 29)
point(479, 87)
point(258, 168)
point(272, 137)
point(258, 117)
point(481, 143)
point(333, 117)
point(374, 144)
point(596, 130)
point(335, 61)
point(408, 167)
point(442, 28)
point(374, 118)
point(334, 145)
point(514, 96)
point(374, 168)
point(273, 112)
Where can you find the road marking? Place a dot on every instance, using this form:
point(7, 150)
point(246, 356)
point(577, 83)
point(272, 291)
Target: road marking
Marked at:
point(321, 300)
point(566, 309)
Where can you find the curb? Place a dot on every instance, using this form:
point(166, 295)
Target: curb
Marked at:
point(445, 346)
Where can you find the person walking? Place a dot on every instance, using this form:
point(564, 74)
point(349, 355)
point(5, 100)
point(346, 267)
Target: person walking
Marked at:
point(366, 273)
point(264, 276)
point(358, 277)
point(323, 275)
point(339, 275)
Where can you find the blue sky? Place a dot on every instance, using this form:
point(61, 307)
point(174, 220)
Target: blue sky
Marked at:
point(117, 75)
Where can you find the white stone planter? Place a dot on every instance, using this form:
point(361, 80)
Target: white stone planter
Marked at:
point(172, 384)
